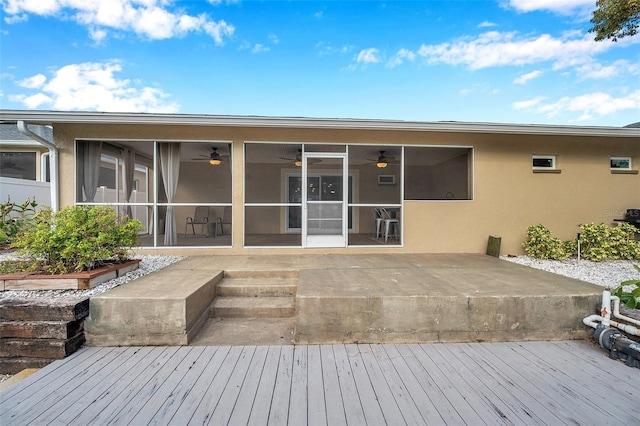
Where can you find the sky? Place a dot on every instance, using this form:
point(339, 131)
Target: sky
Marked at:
point(499, 61)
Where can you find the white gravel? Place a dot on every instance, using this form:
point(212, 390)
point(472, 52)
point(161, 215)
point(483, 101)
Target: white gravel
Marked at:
point(147, 265)
point(609, 273)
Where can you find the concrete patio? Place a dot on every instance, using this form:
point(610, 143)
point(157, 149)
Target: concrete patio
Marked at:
point(380, 298)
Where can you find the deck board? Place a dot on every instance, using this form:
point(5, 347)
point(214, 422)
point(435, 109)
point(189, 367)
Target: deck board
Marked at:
point(354, 414)
point(356, 384)
point(331, 388)
point(555, 377)
point(279, 410)
point(368, 398)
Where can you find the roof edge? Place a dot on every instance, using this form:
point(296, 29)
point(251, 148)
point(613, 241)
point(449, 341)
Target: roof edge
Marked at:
point(80, 117)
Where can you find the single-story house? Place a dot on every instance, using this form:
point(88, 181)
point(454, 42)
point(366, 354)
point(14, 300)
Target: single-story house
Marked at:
point(24, 165)
point(210, 184)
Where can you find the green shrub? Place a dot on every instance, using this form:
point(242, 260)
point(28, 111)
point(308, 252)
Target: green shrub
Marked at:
point(76, 239)
point(600, 242)
point(541, 245)
point(629, 298)
point(13, 216)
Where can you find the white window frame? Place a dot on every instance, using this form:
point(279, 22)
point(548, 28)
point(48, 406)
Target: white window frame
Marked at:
point(612, 159)
point(544, 157)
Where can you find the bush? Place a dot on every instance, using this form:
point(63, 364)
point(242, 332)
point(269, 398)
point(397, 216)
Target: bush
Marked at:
point(629, 298)
point(541, 245)
point(600, 242)
point(13, 217)
point(76, 239)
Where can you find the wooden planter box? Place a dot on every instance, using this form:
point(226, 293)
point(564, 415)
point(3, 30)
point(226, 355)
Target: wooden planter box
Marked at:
point(75, 281)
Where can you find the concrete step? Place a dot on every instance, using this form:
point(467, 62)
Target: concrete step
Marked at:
point(263, 287)
point(246, 332)
point(253, 307)
point(276, 274)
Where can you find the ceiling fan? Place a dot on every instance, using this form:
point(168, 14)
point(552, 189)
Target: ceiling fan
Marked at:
point(382, 161)
point(297, 161)
point(213, 157)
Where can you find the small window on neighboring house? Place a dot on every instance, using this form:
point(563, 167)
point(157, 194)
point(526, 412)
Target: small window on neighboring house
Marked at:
point(620, 163)
point(544, 162)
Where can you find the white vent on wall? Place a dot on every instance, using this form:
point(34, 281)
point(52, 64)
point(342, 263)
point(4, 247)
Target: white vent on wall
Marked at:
point(386, 179)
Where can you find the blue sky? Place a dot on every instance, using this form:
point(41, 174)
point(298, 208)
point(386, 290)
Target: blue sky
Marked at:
point(505, 61)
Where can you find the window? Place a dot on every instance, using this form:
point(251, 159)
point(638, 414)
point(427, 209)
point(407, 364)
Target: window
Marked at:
point(438, 173)
point(620, 163)
point(544, 162)
point(18, 165)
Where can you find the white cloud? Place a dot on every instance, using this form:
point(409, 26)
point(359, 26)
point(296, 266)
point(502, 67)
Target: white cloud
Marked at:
point(400, 57)
point(529, 103)
point(487, 24)
point(274, 39)
point(595, 70)
point(524, 78)
point(500, 49)
point(259, 48)
point(588, 105)
point(327, 49)
point(93, 87)
point(318, 15)
point(150, 19)
point(564, 7)
point(33, 82)
point(368, 56)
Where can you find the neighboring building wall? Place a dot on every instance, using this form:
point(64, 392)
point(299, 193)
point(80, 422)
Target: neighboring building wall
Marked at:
point(507, 195)
point(19, 190)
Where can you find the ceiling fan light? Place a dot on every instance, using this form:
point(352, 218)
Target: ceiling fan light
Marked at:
point(215, 162)
point(298, 163)
point(381, 164)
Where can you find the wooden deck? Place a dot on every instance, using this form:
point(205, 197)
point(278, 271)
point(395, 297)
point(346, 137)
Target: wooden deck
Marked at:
point(525, 383)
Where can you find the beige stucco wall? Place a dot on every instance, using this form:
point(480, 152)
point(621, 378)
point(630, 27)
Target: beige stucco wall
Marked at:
point(508, 196)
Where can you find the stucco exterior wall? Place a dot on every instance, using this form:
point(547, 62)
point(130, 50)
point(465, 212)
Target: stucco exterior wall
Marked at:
point(507, 195)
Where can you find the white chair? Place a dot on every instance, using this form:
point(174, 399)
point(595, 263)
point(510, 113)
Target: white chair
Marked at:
point(377, 219)
point(391, 225)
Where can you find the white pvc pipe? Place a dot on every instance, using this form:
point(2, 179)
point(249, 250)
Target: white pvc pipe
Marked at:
point(605, 317)
point(53, 160)
point(617, 314)
point(605, 310)
point(591, 322)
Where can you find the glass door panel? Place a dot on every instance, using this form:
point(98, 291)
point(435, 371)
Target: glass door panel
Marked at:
point(324, 202)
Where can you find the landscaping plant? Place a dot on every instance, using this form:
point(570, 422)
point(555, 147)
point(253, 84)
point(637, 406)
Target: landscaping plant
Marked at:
point(541, 244)
point(629, 298)
point(598, 242)
point(76, 239)
point(12, 218)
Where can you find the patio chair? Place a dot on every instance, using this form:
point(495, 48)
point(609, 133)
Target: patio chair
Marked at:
point(377, 220)
point(391, 225)
point(200, 217)
point(225, 219)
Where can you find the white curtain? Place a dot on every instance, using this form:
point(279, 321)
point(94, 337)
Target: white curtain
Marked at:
point(170, 167)
point(91, 152)
point(129, 158)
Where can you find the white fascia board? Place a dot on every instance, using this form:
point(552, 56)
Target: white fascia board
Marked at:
point(56, 117)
